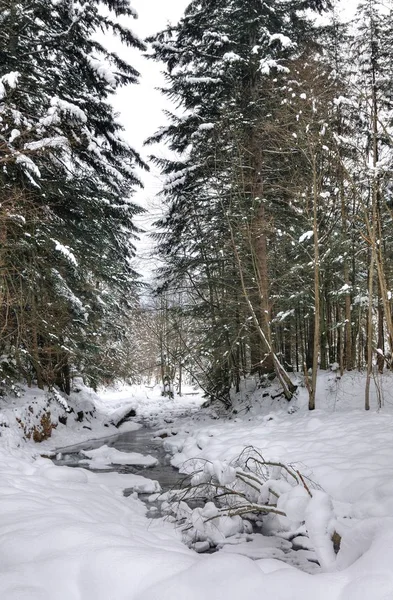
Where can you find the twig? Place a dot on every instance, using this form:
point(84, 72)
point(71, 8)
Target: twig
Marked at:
point(304, 484)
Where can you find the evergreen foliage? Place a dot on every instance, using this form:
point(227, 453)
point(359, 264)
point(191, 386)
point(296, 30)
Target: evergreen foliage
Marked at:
point(66, 178)
point(279, 195)
point(228, 67)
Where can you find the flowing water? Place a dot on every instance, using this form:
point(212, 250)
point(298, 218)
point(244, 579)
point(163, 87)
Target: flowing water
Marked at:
point(142, 441)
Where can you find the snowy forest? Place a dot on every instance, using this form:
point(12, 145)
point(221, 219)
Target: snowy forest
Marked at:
point(267, 294)
point(277, 201)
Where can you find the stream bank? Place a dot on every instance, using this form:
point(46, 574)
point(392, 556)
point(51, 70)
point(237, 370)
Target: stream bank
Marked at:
point(253, 543)
point(143, 441)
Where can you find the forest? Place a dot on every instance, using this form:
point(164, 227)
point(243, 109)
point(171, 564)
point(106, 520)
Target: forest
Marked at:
point(214, 422)
point(274, 240)
point(278, 203)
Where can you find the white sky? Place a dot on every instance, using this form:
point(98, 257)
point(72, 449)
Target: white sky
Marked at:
point(140, 106)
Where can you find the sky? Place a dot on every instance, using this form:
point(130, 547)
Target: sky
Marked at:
point(140, 109)
point(141, 106)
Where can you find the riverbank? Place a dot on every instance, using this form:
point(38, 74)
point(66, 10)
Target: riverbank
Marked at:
point(70, 534)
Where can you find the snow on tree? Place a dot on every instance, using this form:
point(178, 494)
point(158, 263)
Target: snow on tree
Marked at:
point(66, 166)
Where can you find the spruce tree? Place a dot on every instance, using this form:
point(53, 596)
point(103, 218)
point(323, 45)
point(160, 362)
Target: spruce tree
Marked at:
point(226, 61)
point(67, 171)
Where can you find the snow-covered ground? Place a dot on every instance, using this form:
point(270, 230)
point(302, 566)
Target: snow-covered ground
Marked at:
point(70, 534)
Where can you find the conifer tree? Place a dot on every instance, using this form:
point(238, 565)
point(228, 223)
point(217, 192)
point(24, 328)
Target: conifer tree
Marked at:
point(225, 64)
point(68, 173)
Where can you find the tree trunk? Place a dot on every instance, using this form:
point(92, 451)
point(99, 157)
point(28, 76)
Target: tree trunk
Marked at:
point(311, 403)
point(369, 333)
point(260, 246)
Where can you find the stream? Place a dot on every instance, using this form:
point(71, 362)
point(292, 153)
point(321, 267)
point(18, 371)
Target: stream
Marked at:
point(141, 441)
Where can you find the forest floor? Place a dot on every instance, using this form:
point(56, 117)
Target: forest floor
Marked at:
point(70, 533)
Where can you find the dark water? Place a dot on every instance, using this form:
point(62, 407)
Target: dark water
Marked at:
point(142, 441)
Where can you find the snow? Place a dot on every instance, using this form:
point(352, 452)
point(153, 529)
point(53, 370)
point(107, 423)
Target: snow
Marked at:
point(104, 456)
point(52, 142)
point(319, 518)
point(130, 482)
point(206, 127)
point(65, 251)
point(9, 79)
point(120, 414)
point(231, 57)
point(67, 535)
point(28, 164)
point(231, 577)
point(60, 283)
point(267, 64)
point(147, 402)
point(71, 534)
point(198, 80)
point(15, 133)
point(103, 70)
point(306, 236)
point(294, 503)
point(284, 40)
point(59, 106)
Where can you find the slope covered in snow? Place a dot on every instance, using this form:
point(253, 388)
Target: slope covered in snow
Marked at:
point(70, 534)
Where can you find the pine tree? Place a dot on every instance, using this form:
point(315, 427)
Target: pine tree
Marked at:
point(69, 174)
point(372, 82)
point(225, 65)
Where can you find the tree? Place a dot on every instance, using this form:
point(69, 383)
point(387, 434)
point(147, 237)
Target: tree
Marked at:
point(226, 61)
point(62, 154)
point(372, 81)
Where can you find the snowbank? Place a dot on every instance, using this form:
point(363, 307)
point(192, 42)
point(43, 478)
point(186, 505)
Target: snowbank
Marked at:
point(70, 534)
point(102, 457)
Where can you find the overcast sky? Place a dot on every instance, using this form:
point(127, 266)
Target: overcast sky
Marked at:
point(140, 106)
